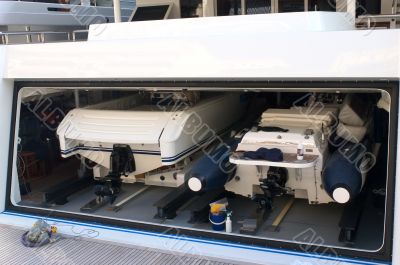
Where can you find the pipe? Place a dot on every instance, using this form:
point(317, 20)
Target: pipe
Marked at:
point(243, 6)
point(117, 11)
point(76, 96)
point(351, 9)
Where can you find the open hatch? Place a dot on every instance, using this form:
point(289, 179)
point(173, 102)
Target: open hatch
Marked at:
point(292, 164)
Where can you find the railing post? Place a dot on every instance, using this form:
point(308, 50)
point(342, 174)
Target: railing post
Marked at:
point(393, 23)
point(117, 11)
point(394, 7)
point(28, 36)
point(243, 7)
point(76, 97)
point(351, 9)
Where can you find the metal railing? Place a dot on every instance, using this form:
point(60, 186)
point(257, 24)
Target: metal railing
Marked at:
point(79, 31)
point(79, 2)
point(41, 35)
point(392, 19)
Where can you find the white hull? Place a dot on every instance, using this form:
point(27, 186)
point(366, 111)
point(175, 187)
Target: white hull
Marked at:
point(157, 137)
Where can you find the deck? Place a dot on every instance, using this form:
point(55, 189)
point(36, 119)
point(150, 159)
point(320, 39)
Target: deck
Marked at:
point(78, 250)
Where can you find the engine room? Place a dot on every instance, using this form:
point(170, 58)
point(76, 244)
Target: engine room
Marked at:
point(249, 165)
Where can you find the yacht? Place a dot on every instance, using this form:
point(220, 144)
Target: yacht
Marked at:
point(242, 132)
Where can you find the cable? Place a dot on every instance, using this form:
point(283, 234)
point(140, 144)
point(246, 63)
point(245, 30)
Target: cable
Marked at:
point(42, 233)
point(85, 232)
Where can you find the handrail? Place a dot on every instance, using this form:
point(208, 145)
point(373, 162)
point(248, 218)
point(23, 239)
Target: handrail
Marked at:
point(71, 36)
point(40, 35)
point(389, 16)
point(394, 17)
point(92, 2)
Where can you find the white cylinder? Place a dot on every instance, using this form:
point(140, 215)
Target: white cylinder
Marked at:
point(117, 11)
point(300, 152)
point(228, 225)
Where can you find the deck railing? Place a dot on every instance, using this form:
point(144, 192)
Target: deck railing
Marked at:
point(392, 19)
point(103, 3)
point(41, 35)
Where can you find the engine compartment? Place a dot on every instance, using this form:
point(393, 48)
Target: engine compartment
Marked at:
point(289, 166)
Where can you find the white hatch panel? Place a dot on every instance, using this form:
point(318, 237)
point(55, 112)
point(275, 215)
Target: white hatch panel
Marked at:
point(113, 126)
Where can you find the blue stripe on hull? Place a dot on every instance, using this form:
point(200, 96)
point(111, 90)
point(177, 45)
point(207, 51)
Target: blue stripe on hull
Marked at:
point(170, 159)
point(103, 149)
point(142, 152)
point(218, 242)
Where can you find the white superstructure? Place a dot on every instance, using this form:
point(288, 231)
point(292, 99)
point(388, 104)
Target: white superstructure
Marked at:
point(24, 22)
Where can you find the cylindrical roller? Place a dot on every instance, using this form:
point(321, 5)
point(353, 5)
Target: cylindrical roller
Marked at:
point(212, 170)
point(342, 179)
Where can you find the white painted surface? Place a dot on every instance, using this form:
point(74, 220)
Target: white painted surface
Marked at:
point(6, 98)
point(334, 54)
point(112, 126)
point(265, 163)
point(227, 25)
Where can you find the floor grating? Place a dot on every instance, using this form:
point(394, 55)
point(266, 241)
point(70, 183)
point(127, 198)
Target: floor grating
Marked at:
point(74, 250)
